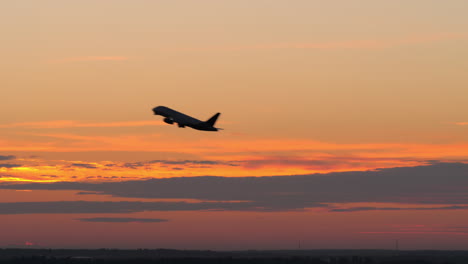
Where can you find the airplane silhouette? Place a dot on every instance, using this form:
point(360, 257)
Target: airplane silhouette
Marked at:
point(172, 116)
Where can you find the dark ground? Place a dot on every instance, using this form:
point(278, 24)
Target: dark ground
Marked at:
point(169, 256)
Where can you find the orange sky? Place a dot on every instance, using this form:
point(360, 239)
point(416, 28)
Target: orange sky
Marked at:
point(304, 87)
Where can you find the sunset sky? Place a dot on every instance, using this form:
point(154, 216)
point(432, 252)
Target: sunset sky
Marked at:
point(345, 124)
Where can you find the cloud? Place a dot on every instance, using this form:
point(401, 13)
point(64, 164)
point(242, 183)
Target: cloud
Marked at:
point(84, 165)
point(188, 163)
point(254, 157)
point(439, 185)
point(380, 43)
point(91, 58)
point(183, 162)
point(358, 209)
point(49, 175)
point(95, 207)
point(459, 228)
point(416, 232)
point(74, 124)
point(319, 163)
point(9, 157)
point(122, 220)
point(10, 166)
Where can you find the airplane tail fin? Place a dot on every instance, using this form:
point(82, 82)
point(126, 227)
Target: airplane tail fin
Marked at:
point(213, 119)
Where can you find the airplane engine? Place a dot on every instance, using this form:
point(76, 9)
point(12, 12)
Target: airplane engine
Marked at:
point(168, 120)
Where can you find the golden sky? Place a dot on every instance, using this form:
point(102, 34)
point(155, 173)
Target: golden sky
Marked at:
point(303, 86)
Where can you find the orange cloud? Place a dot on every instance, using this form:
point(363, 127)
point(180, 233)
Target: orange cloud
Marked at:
point(348, 44)
point(25, 179)
point(462, 123)
point(215, 148)
point(92, 58)
point(210, 156)
point(71, 123)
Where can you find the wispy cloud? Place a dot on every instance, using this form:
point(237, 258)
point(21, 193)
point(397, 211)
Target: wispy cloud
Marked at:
point(328, 163)
point(84, 165)
point(339, 45)
point(8, 157)
point(359, 209)
point(416, 232)
point(94, 207)
point(217, 157)
point(122, 220)
point(462, 123)
point(91, 58)
point(186, 163)
point(216, 148)
point(9, 165)
point(73, 124)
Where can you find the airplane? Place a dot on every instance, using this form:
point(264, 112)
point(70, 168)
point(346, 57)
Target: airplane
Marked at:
point(172, 116)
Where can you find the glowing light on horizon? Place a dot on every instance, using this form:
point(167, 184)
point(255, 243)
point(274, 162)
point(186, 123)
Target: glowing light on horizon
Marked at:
point(17, 179)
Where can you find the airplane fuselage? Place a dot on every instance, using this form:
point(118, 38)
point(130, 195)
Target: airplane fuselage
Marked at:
point(183, 120)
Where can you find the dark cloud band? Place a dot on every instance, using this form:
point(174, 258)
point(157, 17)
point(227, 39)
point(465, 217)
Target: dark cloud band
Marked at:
point(9, 166)
point(9, 157)
point(91, 207)
point(439, 184)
